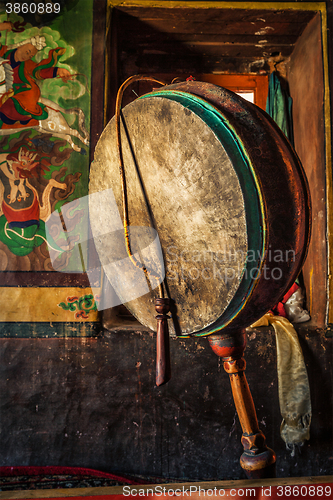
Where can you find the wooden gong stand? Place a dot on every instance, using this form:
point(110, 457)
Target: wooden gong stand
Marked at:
point(258, 461)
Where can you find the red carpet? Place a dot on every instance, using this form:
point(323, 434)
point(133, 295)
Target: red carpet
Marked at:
point(52, 478)
point(30, 478)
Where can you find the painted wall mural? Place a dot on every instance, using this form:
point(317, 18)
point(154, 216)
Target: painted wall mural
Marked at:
point(45, 74)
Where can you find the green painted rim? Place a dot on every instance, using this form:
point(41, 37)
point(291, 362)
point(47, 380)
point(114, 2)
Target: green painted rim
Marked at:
point(254, 206)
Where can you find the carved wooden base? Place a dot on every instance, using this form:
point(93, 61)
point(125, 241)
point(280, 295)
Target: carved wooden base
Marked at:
point(258, 461)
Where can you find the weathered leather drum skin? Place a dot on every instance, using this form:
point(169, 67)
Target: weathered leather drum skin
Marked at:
point(227, 195)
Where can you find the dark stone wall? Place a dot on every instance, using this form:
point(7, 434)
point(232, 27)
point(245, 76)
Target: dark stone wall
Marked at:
point(92, 402)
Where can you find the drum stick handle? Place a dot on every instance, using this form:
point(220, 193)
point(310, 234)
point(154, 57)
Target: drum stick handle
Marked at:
point(257, 461)
point(163, 371)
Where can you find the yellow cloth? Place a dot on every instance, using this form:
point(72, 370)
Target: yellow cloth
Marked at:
point(293, 383)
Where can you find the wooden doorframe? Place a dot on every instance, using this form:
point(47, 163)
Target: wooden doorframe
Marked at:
point(319, 7)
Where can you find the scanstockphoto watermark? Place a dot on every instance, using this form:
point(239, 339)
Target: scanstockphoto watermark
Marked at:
point(228, 254)
point(226, 264)
point(188, 491)
point(130, 274)
point(281, 491)
point(133, 274)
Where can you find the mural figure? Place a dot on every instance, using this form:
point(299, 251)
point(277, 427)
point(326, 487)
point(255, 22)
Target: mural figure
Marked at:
point(21, 103)
point(27, 197)
point(34, 135)
point(22, 224)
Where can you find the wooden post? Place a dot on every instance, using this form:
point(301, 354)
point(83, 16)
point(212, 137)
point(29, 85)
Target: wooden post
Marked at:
point(163, 371)
point(257, 460)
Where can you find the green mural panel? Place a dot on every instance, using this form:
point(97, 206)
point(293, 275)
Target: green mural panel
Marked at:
point(45, 82)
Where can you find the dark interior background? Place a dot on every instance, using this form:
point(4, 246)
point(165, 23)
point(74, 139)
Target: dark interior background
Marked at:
point(92, 401)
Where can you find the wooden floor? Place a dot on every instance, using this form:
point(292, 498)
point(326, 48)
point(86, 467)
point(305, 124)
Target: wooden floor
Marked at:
point(257, 488)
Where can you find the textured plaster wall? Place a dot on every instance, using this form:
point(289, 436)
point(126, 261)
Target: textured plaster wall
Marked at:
point(93, 403)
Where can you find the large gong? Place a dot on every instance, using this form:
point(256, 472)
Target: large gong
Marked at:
point(226, 193)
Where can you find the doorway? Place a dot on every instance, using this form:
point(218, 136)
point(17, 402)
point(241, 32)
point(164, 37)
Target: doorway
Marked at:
point(230, 45)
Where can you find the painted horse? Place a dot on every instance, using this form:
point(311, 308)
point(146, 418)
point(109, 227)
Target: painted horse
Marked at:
point(56, 124)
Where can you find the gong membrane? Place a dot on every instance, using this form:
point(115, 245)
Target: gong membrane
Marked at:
point(186, 176)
